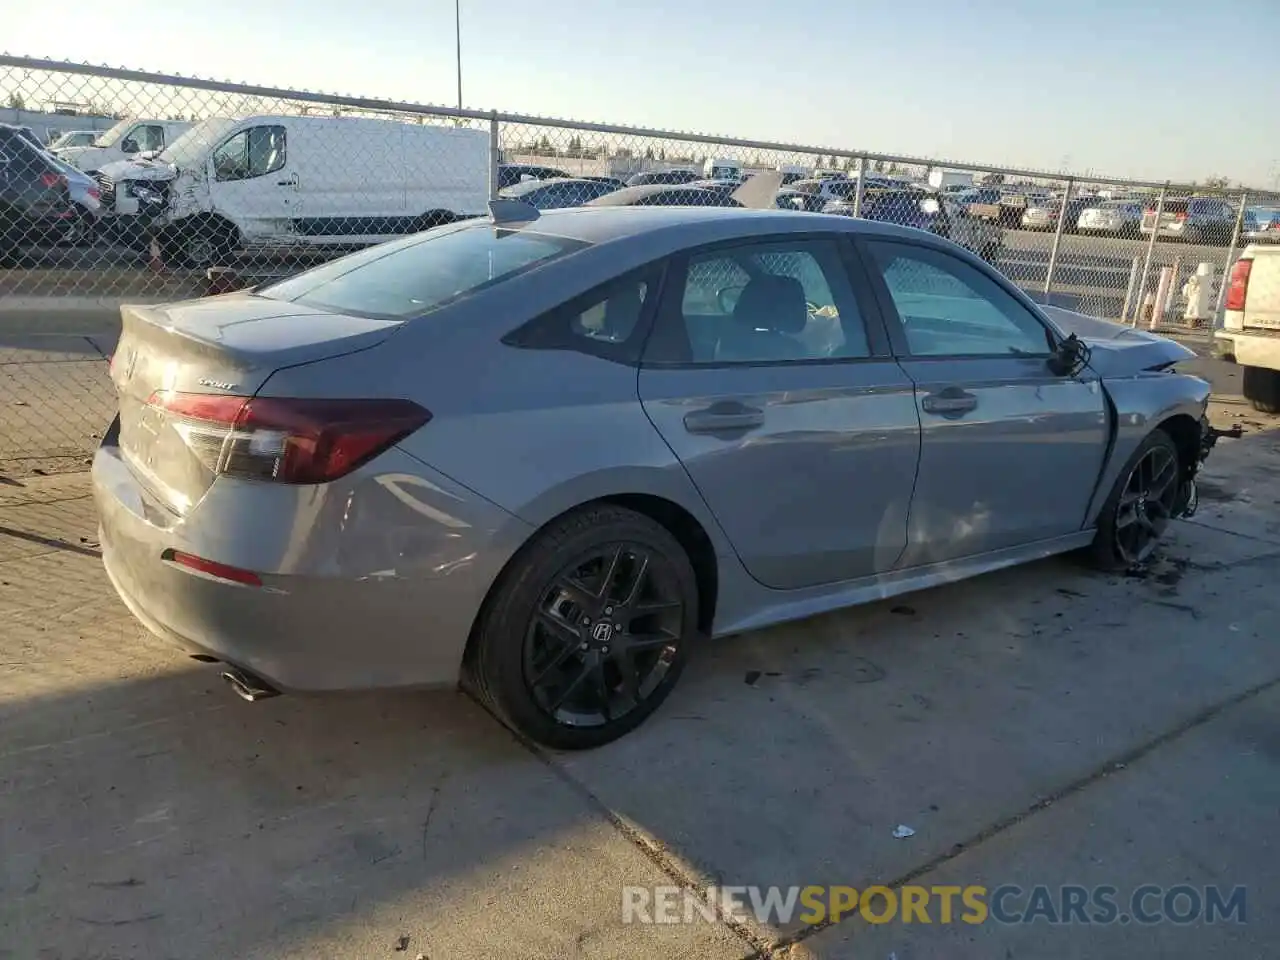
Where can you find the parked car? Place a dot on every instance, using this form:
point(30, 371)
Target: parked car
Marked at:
point(552, 194)
point(74, 138)
point(788, 199)
point(720, 168)
point(270, 182)
point(509, 174)
point(838, 188)
point(1249, 334)
point(665, 195)
point(1044, 215)
point(613, 182)
point(1193, 219)
point(35, 203)
point(1120, 218)
point(549, 457)
point(656, 177)
point(927, 209)
point(724, 186)
point(1016, 199)
point(126, 139)
point(1262, 225)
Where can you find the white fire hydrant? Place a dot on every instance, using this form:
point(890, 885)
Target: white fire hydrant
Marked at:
point(1197, 290)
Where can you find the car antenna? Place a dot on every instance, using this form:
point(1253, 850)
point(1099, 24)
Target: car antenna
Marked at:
point(503, 211)
point(760, 192)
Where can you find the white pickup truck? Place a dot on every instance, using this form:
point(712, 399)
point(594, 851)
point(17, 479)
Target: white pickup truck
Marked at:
point(1250, 331)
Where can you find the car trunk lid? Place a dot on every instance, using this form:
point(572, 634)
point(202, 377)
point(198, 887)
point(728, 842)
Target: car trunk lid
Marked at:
point(218, 346)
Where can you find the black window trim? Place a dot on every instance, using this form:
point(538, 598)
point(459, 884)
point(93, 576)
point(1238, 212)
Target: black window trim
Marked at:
point(549, 330)
point(669, 303)
point(898, 333)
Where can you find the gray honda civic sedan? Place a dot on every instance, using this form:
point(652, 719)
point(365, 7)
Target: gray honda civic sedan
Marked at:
point(547, 456)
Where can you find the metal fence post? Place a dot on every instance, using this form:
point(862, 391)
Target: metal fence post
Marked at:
point(495, 155)
point(1151, 250)
point(862, 182)
point(1129, 289)
point(1231, 252)
point(1057, 238)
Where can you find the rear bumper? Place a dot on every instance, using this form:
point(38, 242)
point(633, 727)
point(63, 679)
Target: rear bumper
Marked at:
point(378, 592)
point(1249, 348)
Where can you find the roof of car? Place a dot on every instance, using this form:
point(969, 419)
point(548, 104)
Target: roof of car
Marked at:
point(605, 224)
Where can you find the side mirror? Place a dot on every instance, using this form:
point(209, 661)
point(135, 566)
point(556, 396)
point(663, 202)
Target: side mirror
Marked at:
point(1069, 358)
point(129, 145)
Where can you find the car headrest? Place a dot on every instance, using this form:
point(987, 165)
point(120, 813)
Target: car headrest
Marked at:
point(622, 311)
point(771, 302)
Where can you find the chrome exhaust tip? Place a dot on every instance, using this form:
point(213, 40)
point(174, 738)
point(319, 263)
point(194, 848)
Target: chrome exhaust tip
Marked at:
point(248, 687)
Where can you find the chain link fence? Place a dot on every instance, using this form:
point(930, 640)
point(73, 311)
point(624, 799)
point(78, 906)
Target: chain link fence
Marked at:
point(123, 186)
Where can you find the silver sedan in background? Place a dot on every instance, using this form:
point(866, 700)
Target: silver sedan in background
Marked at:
point(1119, 218)
point(550, 455)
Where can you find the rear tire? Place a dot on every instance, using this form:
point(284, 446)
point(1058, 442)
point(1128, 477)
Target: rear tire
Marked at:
point(1261, 387)
point(1140, 505)
point(550, 648)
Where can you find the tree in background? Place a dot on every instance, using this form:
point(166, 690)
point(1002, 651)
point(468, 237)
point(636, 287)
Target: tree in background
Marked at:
point(16, 102)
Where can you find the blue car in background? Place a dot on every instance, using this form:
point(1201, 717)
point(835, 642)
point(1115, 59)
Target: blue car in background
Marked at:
point(907, 207)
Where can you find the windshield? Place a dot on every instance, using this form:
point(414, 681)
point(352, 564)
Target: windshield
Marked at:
point(407, 278)
point(192, 147)
point(75, 138)
point(109, 137)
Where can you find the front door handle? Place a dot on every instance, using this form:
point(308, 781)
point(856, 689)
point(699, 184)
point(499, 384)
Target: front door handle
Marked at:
point(724, 418)
point(951, 402)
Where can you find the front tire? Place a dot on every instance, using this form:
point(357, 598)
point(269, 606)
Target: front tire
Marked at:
point(587, 631)
point(1261, 387)
point(1140, 506)
point(202, 244)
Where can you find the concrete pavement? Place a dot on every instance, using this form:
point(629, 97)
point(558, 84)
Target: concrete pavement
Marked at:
point(144, 812)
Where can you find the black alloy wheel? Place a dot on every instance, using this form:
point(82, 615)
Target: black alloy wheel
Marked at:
point(603, 636)
point(1142, 502)
point(1146, 504)
point(587, 630)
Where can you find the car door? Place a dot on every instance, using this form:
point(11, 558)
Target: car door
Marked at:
point(771, 380)
point(1009, 451)
point(255, 183)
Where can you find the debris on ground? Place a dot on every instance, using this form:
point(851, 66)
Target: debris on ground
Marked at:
point(902, 831)
point(402, 943)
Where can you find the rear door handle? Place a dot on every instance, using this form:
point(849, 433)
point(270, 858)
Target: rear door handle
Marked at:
point(723, 418)
point(951, 402)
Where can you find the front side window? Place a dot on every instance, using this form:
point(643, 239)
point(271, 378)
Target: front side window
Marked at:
point(253, 152)
point(950, 308)
point(410, 277)
point(765, 302)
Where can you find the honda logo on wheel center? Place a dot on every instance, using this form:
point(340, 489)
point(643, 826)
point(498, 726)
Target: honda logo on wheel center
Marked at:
point(602, 632)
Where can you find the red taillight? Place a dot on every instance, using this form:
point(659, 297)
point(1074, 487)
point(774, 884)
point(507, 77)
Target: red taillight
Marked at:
point(288, 440)
point(212, 568)
point(1275, 223)
point(1180, 216)
point(93, 192)
point(52, 180)
point(1239, 285)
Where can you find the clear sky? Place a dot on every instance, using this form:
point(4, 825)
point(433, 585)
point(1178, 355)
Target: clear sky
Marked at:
point(1180, 89)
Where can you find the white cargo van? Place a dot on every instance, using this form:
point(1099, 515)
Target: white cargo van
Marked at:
point(271, 182)
point(1250, 330)
point(125, 139)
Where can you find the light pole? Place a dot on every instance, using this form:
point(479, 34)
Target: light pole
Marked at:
point(457, 34)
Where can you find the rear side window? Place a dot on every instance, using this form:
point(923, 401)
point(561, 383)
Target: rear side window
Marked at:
point(411, 277)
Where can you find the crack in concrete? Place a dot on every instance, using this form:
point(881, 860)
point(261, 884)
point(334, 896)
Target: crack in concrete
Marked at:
point(1101, 772)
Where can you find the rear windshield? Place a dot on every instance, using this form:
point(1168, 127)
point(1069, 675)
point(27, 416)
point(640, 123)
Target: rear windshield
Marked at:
point(410, 277)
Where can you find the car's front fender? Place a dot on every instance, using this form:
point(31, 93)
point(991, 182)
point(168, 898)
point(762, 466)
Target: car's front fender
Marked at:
point(1141, 403)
